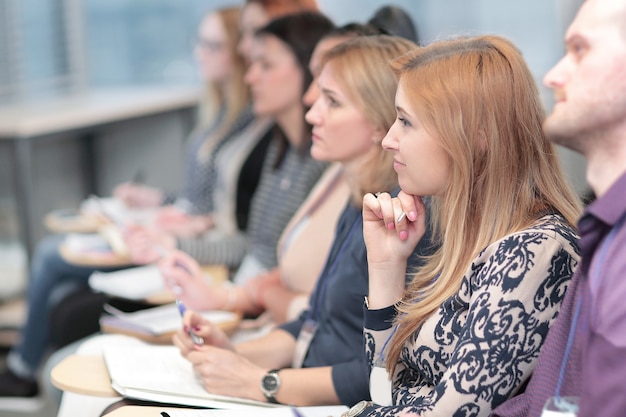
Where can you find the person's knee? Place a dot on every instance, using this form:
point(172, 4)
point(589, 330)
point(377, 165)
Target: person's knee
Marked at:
point(46, 257)
point(47, 248)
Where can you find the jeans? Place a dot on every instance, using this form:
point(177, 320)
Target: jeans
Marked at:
point(51, 278)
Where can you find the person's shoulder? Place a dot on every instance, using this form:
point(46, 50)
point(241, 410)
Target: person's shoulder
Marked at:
point(549, 229)
point(554, 226)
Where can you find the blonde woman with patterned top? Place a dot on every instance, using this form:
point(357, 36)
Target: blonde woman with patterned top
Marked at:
point(465, 335)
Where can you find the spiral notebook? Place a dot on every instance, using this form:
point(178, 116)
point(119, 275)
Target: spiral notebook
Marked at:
point(161, 374)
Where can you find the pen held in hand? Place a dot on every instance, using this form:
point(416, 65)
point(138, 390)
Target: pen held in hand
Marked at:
point(197, 340)
point(176, 289)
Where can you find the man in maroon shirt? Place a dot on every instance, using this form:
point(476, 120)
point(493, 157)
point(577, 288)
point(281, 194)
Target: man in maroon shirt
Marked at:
point(584, 355)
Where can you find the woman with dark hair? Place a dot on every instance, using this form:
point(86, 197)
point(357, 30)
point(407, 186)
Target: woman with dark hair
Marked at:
point(258, 13)
point(277, 76)
point(395, 21)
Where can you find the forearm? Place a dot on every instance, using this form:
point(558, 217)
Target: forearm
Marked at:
point(386, 284)
point(272, 351)
point(307, 387)
point(239, 300)
point(277, 300)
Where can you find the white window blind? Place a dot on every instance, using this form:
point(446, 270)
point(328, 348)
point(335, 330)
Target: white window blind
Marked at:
point(41, 48)
point(53, 47)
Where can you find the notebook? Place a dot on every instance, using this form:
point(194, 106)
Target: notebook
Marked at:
point(135, 283)
point(157, 324)
point(161, 374)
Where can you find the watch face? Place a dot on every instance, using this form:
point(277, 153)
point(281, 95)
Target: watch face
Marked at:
point(270, 382)
point(358, 408)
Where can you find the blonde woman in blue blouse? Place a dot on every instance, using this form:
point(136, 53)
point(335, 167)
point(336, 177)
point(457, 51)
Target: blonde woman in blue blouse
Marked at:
point(465, 335)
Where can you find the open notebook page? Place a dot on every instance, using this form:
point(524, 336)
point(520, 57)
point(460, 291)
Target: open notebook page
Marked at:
point(159, 320)
point(160, 373)
point(131, 283)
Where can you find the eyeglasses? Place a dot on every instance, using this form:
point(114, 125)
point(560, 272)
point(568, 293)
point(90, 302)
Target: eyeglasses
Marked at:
point(210, 45)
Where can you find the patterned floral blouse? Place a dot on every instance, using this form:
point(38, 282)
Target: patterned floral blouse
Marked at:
point(482, 344)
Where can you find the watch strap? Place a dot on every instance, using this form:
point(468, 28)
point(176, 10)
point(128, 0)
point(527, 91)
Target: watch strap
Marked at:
point(270, 398)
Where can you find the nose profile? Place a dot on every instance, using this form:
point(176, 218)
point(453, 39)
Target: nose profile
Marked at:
point(555, 77)
point(311, 95)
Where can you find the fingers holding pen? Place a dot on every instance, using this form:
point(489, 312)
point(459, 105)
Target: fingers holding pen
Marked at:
point(405, 213)
point(380, 207)
point(227, 373)
point(211, 334)
point(183, 342)
point(178, 269)
point(410, 214)
point(178, 261)
point(183, 337)
point(147, 244)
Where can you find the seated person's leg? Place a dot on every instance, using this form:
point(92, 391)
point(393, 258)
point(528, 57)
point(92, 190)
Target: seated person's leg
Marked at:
point(48, 272)
point(75, 316)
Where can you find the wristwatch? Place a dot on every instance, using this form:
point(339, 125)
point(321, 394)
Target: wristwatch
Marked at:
point(270, 385)
point(357, 409)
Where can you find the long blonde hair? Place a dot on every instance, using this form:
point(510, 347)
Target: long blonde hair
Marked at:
point(478, 98)
point(231, 98)
point(362, 69)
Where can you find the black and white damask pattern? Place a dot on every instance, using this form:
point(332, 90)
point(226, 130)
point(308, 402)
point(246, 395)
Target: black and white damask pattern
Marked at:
point(482, 344)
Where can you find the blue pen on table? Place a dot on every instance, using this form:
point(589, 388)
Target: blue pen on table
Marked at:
point(197, 340)
point(296, 412)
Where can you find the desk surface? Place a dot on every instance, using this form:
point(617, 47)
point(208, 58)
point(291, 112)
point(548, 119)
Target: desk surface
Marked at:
point(93, 259)
point(83, 374)
point(72, 221)
point(93, 107)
